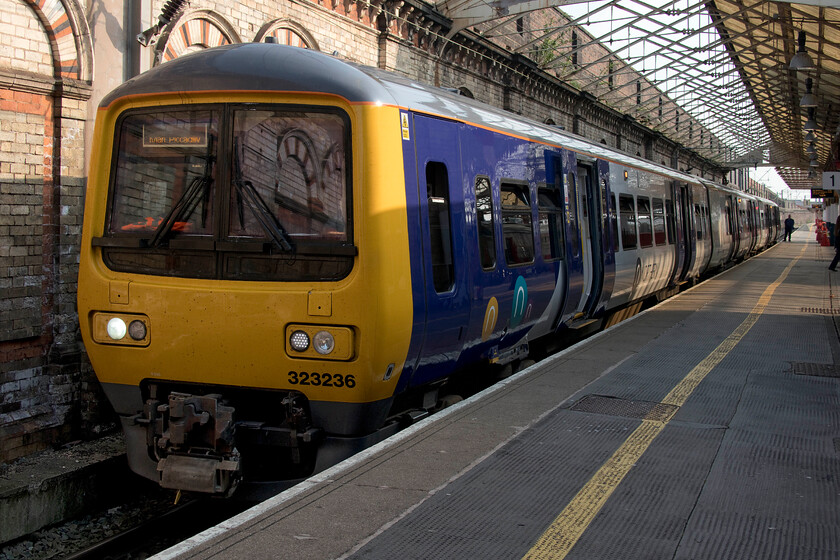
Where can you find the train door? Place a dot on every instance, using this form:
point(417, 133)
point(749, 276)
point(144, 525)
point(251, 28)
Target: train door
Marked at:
point(590, 205)
point(685, 223)
point(441, 203)
point(731, 228)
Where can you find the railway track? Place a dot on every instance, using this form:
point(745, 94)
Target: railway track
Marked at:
point(161, 532)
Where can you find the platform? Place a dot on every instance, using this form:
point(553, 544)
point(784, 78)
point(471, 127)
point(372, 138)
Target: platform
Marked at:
point(707, 428)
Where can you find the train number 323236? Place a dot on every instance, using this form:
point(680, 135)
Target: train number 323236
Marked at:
point(322, 379)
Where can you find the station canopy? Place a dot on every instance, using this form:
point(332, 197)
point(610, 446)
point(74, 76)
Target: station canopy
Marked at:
point(727, 63)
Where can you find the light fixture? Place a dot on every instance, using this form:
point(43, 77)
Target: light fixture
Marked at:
point(299, 341)
point(116, 328)
point(811, 123)
point(801, 60)
point(810, 137)
point(812, 174)
point(811, 149)
point(809, 99)
point(814, 163)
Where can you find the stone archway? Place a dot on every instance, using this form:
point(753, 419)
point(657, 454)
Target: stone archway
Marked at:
point(200, 29)
point(287, 32)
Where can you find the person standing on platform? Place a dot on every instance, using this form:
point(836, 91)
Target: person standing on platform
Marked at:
point(833, 266)
point(788, 227)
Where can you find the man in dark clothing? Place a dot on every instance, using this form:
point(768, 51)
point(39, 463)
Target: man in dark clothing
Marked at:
point(788, 228)
point(833, 265)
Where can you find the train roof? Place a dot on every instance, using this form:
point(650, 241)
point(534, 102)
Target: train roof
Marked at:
point(273, 67)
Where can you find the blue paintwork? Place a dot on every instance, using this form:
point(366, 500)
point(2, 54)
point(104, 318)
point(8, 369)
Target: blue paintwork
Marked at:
point(447, 327)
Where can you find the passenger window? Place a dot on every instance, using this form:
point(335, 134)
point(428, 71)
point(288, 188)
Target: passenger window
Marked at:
point(437, 189)
point(645, 230)
point(551, 224)
point(614, 223)
point(484, 222)
point(658, 222)
point(627, 207)
point(517, 230)
point(670, 221)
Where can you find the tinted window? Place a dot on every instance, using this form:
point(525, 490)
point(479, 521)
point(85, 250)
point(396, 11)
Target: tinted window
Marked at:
point(437, 189)
point(658, 222)
point(626, 205)
point(484, 222)
point(670, 221)
point(517, 231)
point(551, 224)
point(614, 223)
point(645, 229)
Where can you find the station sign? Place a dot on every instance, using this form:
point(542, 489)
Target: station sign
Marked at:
point(822, 193)
point(831, 181)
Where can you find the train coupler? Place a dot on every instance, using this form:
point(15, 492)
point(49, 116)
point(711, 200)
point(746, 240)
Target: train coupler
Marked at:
point(209, 475)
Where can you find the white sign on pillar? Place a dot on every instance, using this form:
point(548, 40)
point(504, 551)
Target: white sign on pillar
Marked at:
point(831, 180)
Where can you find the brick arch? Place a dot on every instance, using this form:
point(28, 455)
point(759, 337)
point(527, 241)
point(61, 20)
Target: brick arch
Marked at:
point(287, 32)
point(200, 29)
point(69, 36)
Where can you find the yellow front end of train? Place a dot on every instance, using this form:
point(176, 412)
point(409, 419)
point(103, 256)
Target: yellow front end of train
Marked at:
point(244, 290)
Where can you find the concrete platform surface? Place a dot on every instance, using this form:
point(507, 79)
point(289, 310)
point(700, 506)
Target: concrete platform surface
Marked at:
point(707, 427)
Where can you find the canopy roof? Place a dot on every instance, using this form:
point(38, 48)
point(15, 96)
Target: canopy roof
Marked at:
point(726, 63)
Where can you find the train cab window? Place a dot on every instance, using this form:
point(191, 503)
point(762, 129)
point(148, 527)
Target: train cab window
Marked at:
point(627, 210)
point(614, 223)
point(437, 190)
point(517, 230)
point(165, 158)
point(645, 228)
point(484, 223)
point(277, 210)
point(670, 221)
point(551, 224)
point(658, 222)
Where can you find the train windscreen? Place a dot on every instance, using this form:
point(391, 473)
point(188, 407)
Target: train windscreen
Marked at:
point(235, 192)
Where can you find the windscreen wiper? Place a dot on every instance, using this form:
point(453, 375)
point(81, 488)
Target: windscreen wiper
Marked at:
point(182, 209)
point(248, 194)
point(198, 189)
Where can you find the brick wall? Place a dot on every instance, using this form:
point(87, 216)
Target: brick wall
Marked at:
point(42, 121)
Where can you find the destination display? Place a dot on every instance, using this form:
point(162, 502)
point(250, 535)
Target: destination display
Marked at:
point(175, 135)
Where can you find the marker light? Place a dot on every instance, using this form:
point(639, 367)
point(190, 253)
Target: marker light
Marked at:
point(116, 328)
point(137, 329)
point(323, 342)
point(299, 341)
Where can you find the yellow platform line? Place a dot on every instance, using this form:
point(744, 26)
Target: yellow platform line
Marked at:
point(564, 532)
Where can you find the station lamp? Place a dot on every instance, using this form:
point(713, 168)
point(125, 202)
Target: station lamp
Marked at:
point(809, 99)
point(801, 60)
point(811, 123)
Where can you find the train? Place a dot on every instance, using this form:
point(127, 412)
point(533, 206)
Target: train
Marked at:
point(286, 256)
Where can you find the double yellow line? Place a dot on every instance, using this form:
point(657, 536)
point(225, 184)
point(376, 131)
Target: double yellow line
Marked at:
point(567, 528)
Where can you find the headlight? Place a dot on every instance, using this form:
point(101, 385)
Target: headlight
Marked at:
point(121, 329)
point(320, 342)
point(299, 341)
point(324, 342)
point(116, 328)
